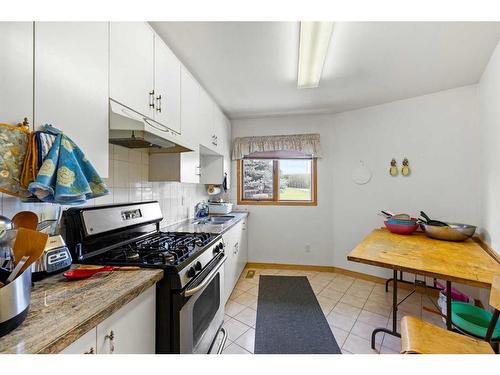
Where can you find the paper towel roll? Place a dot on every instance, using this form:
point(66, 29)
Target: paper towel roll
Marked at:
point(213, 190)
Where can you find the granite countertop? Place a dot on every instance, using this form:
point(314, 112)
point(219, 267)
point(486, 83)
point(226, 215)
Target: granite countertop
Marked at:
point(189, 226)
point(62, 311)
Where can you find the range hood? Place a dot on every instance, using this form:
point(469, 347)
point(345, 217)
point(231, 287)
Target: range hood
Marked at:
point(130, 129)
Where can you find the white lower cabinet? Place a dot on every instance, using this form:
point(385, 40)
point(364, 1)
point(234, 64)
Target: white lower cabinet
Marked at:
point(236, 250)
point(84, 345)
point(130, 330)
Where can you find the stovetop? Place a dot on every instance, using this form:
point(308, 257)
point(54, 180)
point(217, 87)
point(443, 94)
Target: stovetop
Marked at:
point(159, 249)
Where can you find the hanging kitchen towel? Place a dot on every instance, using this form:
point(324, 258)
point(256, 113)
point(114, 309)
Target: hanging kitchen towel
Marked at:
point(13, 145)
point(30, 169)
point(44, 142)
point(66, 175)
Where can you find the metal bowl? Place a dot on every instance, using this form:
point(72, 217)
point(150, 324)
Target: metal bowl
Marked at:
point(452, 232)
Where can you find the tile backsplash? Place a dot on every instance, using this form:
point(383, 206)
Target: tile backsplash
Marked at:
point(127, 182)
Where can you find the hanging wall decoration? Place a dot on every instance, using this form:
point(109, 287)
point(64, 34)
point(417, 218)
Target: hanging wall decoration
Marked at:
point(393, 170)
point(405, 170)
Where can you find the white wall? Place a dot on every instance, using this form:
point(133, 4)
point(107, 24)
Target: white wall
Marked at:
point(439, 135)
point(489, 104)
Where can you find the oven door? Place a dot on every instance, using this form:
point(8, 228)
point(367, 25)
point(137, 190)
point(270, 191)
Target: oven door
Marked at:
point(203, 313)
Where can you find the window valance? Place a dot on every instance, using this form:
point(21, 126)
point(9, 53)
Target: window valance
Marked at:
point(308, 144)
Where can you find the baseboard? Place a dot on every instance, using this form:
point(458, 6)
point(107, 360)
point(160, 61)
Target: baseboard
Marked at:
point(343, 271)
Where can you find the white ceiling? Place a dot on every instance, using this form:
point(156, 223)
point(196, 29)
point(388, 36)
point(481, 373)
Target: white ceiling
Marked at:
point(250, 68)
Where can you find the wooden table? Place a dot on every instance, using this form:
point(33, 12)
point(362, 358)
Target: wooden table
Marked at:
point(464, 262)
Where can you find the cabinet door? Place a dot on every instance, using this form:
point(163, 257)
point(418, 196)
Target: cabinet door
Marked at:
point(230, 264)
point(131, 65)
point(130, 330)
point(212, 169)
point(206, 124)
point(16, 72)
point(190, 167)
point(227, 151)
point(243, 246)
point(190, 109)
point(220, 130)
point(84, 345)
point(167, 87)
point(71, 84)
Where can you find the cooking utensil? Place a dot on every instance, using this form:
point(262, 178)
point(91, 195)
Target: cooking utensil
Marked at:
point(450, 232)
point(5, 225)
point(14, 302)
point(25, 219)
point(84, 273)
point(30, 243)
point(401, 228)
point(17, 269)
point(387, 214)
point(430, 221)
point(409, 221)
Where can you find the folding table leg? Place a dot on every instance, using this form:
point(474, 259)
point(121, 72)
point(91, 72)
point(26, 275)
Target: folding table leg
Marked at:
point(448, 306)
point(394, 331)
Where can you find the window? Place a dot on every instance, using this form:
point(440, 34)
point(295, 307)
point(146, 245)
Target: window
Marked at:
point(277, 181)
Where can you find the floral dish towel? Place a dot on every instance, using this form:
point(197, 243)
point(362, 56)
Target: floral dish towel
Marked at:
point(66, 175)
point(13, 145)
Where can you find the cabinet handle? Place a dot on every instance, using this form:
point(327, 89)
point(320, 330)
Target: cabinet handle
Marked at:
point(152, 99)
point(236, 248)
point(197, 171)
point(111, 337)
point(158, 100)
point(90, 351)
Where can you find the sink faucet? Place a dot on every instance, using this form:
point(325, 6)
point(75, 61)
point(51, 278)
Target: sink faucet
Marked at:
point(201, 212)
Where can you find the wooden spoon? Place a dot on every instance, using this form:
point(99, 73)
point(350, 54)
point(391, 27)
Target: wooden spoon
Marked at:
point(25, 219)
point(31, 243)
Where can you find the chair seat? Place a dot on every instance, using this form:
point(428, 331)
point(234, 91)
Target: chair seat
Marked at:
point(420, 337)
point(473, 320)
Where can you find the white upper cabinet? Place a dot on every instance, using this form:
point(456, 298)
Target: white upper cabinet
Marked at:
point(190, 108)
point(206, 121)
point(131, 54)
point(71, 84)
point(227, 151)
point(167, 87)
point(16, 72)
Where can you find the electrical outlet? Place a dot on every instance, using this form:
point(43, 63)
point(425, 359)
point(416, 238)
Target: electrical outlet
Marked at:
point(308, 248)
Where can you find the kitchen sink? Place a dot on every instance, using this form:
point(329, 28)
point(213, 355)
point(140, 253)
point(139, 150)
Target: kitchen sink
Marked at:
point(220, 219)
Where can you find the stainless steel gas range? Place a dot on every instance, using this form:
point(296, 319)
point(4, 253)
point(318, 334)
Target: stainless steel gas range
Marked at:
point(189, 307)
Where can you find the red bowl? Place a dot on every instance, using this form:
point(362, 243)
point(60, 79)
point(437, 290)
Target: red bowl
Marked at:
point(401, 228)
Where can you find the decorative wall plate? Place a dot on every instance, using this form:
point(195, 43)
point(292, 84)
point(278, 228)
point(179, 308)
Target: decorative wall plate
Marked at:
point(361, 174)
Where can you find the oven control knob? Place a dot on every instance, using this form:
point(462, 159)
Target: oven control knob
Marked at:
point(191, 272)
point(218, 248)
point(197, 266)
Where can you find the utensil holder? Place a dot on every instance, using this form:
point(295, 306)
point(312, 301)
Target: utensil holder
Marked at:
point(14, 302)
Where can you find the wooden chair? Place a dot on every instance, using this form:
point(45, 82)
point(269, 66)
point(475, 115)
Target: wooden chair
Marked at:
point(420, 337)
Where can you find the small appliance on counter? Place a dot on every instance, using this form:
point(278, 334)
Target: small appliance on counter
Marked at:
point(219, 208)
point(55, 258)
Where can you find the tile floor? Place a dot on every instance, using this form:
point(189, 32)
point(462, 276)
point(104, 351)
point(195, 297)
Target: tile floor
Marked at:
point(353, 308)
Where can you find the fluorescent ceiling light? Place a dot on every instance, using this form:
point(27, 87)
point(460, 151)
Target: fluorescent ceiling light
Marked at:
point(313, 46)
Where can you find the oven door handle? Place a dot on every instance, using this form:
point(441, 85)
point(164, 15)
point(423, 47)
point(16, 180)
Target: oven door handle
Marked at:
point(206, 280)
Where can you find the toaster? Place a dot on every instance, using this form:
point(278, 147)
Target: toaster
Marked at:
point(55, 258)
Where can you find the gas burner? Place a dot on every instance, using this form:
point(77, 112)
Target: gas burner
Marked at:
point(159, 248)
